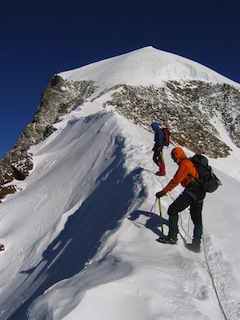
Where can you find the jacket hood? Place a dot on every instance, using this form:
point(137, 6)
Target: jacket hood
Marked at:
point(179, 154)
point(155, 126)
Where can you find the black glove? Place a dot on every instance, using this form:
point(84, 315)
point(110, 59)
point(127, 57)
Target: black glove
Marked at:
point(160, 194)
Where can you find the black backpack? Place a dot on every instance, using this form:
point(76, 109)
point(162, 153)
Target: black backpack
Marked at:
point(208, 180)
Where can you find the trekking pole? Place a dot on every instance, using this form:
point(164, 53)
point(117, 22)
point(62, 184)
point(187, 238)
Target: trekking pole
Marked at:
point(160, 213)
point(152, 210)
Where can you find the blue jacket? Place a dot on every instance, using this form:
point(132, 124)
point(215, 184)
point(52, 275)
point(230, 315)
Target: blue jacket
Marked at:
point(158, 138)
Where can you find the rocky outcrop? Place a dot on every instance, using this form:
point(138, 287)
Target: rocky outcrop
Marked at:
point(59, 98)
point(189, 108)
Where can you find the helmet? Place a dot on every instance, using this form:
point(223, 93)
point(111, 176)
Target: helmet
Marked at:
point(154, 125)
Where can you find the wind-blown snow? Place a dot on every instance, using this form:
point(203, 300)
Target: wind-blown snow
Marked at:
point(147, 66)
point(79, 242)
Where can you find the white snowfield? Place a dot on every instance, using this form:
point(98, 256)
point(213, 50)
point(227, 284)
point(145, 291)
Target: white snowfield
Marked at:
point(146, 66)
point(79, 242)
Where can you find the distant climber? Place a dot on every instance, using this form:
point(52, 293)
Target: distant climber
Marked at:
point(161, 139)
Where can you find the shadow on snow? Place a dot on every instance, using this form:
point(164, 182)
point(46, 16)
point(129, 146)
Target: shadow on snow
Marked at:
point(153, 222)
point(80, 239)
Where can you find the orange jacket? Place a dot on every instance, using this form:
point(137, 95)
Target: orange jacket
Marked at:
point(186, 172)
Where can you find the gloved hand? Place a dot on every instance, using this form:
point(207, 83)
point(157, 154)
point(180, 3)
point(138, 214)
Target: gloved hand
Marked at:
point(160, 194)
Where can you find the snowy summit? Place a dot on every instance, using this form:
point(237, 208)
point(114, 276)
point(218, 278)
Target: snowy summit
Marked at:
point(79, 239)
point(147, 66)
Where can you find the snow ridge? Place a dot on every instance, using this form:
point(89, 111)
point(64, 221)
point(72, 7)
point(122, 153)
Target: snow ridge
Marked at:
point(146, 66)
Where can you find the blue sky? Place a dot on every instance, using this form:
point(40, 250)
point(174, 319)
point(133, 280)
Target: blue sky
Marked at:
point(42, 38)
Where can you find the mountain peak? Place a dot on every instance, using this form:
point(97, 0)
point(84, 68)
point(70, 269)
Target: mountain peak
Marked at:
point(145, 66)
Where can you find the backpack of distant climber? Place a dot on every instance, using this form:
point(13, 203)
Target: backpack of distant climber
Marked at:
point(166, 139)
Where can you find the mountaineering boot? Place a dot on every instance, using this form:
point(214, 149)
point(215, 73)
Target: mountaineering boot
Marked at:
point(168, 239)
point(171, 238)
point(193, 247)
point(158, 173)
point(162, 169)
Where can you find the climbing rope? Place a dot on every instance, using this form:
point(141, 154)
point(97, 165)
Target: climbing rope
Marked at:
point(208, 268)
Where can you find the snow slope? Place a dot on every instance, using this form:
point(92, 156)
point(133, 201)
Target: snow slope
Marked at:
point(146, 66)
point(80, 243)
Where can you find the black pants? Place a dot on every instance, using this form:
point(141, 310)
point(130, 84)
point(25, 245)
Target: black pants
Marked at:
point(182, 202)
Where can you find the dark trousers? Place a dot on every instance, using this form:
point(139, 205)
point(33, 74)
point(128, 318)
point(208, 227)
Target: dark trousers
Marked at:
point(182, 202)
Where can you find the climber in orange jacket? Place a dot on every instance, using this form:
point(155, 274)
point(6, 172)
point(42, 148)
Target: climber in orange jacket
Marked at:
point(191, 196)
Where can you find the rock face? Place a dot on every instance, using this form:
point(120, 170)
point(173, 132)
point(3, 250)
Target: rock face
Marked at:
point(59, 98)
point(189, 108)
